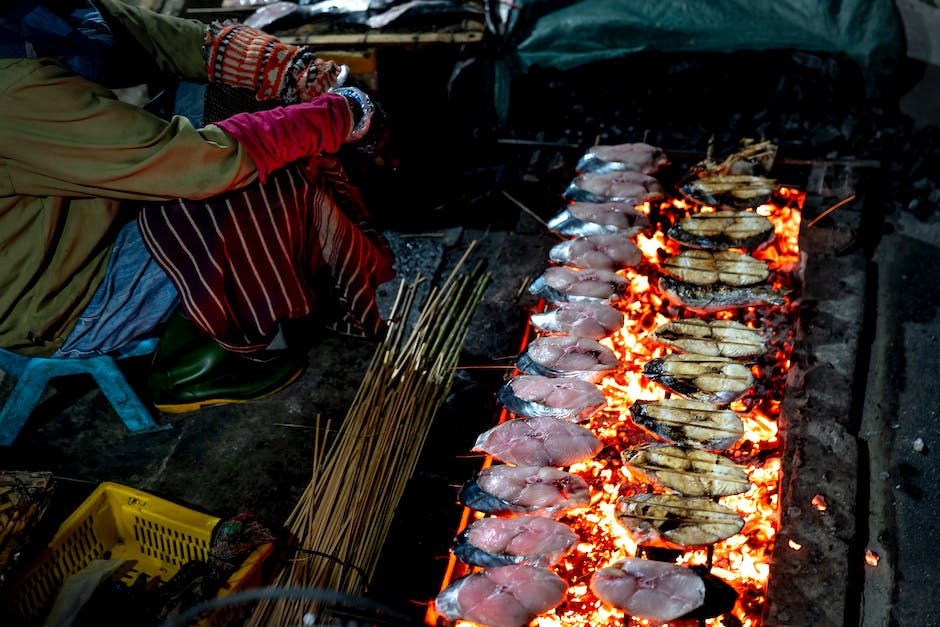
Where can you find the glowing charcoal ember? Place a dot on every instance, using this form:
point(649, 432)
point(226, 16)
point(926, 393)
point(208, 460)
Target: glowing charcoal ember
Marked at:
point(529, 540)
point(725, 338)
point(505, 596)
point(684, 421)
point(602, 252)
point(720, 230)
point(671, 520)
point(726, 267)
point(618, 186)
point(543, 490)
point(593, 320)
point(567, 356)
point(701, 377)
point(538, 441)
point(712, 298)
point(590, 218)
point(637, 156)
point(686, 470)
point(568, 399)
point(560, 284)
point(649, 589)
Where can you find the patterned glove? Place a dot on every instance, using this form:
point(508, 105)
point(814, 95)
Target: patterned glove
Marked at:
point(243, 56)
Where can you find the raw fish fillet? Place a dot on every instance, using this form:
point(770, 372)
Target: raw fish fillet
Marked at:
point(649, 589)
point(505, 596)
point(568, 399)
point(638, 156)
point(591, 218)
point(560, 284)
point(529, 540)
point(538, 441)
point(567, 356)
point(542, 490)
point(602, 252)
point(593, 320)
point(619, 186)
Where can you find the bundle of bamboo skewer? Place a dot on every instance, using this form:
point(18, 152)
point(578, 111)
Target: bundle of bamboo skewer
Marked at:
point(344, 515)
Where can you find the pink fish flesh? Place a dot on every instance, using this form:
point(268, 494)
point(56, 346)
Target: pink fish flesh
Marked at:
point(505, 596)
point(560, 284)
point(567, 356)
point(568, 399)
point(591, 218)
point(617, 186)
point(648, 589)
point(604, 251)
point(638, 156)
point(538, 441)
point(543, 490)
point(530, 540)
point(593, 320)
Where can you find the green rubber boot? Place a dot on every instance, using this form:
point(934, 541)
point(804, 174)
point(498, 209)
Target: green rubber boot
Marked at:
point(190, 370)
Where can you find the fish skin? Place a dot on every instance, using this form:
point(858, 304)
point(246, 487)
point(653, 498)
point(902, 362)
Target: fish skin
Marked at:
point(608, 218)
point(687, 470)
point(731, 191)
point(636, 156)
point(689, 422)
point(710, 299)
point(599, 359)
point(672, 520)
point(725, 338)
point(632, 187)
point(716, 380)
point(559, 284)
point(721, 230)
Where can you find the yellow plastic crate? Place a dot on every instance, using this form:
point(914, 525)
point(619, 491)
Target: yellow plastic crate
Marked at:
point(132, 525)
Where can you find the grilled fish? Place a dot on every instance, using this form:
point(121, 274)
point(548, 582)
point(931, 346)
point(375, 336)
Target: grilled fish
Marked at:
point(591, 218)
point(560, 284)
point(719, 297)
point(676, 521)
point(592, 320)
point(686, 470)
point(719, 230)
point(619, 186)
point(725, 338)
point(567, 399)
point(690, 422)
point(701, 377)
point(734, 191)
point(567, 356)
point(638, 156)
point(728, 267)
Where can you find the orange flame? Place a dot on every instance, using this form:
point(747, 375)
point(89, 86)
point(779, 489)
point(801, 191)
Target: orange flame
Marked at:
point(742, 560)
point(871, 558)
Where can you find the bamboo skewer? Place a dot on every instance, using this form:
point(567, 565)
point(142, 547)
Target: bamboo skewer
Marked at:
point(344, 515)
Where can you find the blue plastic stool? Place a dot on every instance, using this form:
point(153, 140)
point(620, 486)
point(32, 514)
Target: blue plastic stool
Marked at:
point(33, 373)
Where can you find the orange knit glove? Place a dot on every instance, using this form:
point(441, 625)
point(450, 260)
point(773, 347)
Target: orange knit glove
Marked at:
point(243, 56)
